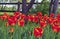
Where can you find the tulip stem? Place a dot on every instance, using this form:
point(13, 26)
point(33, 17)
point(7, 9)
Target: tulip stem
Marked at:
point(19, 32)
point(40, 38)
point(58, 37)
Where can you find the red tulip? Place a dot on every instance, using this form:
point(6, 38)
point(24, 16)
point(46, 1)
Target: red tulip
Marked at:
point(43, 23)
point(58, 15)
point(40, 17)
point(11, 30)
point(51, 14)
point(39, 13)
point(29, 17)
point(22, 16)
point(16, 14)
point(50, 20)
point(20, 22)
point(4, 16)
point(58, 28)
point(55, 28)
point(12, 21)
point(6, 24)
point(53, 21)
point(38, 32)
point(35, 19)
point(45, 17)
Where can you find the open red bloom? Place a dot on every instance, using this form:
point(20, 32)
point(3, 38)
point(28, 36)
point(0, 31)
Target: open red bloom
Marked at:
point(58, 17)
point(16, 14)
point(4, 16)
point(38, 31)
point(43, 23)
point(29, 17)
point(51, 14)
point(55, 28)
point(12, 20)
point(35, 19)
point(50, 20)
point(22, 16)
point(55, 20)
point(45, 17)
point(39, 13)
point(20, 22)
point(58, 28)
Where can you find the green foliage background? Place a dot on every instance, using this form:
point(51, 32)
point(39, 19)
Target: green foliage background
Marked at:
point(43, 7)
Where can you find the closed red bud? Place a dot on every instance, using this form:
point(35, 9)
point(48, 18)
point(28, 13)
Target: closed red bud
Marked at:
point(6, 24)
point(11, 30)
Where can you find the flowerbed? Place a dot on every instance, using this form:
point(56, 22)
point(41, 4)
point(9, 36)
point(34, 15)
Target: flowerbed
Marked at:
point(31, 26)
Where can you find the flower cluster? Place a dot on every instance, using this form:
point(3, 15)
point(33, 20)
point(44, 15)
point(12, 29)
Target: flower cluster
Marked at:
point(19, 18)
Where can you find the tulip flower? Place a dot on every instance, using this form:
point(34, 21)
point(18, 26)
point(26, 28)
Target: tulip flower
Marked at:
point(58, 15)
point(12, 21)
point(45, 17)
point(58, 28)
point(16, 14)
point(55, 28)
point(54, 21)
point(29, 17)
point(22, 16)
point(6, 24)
point(4, 16)
point(50, 20)
point(39, 13)
point(40, 17)
point(11, 30)
point(35, 19)
point(51, 14)
point(38, 32)
point(20, 22)
point(43, 23)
